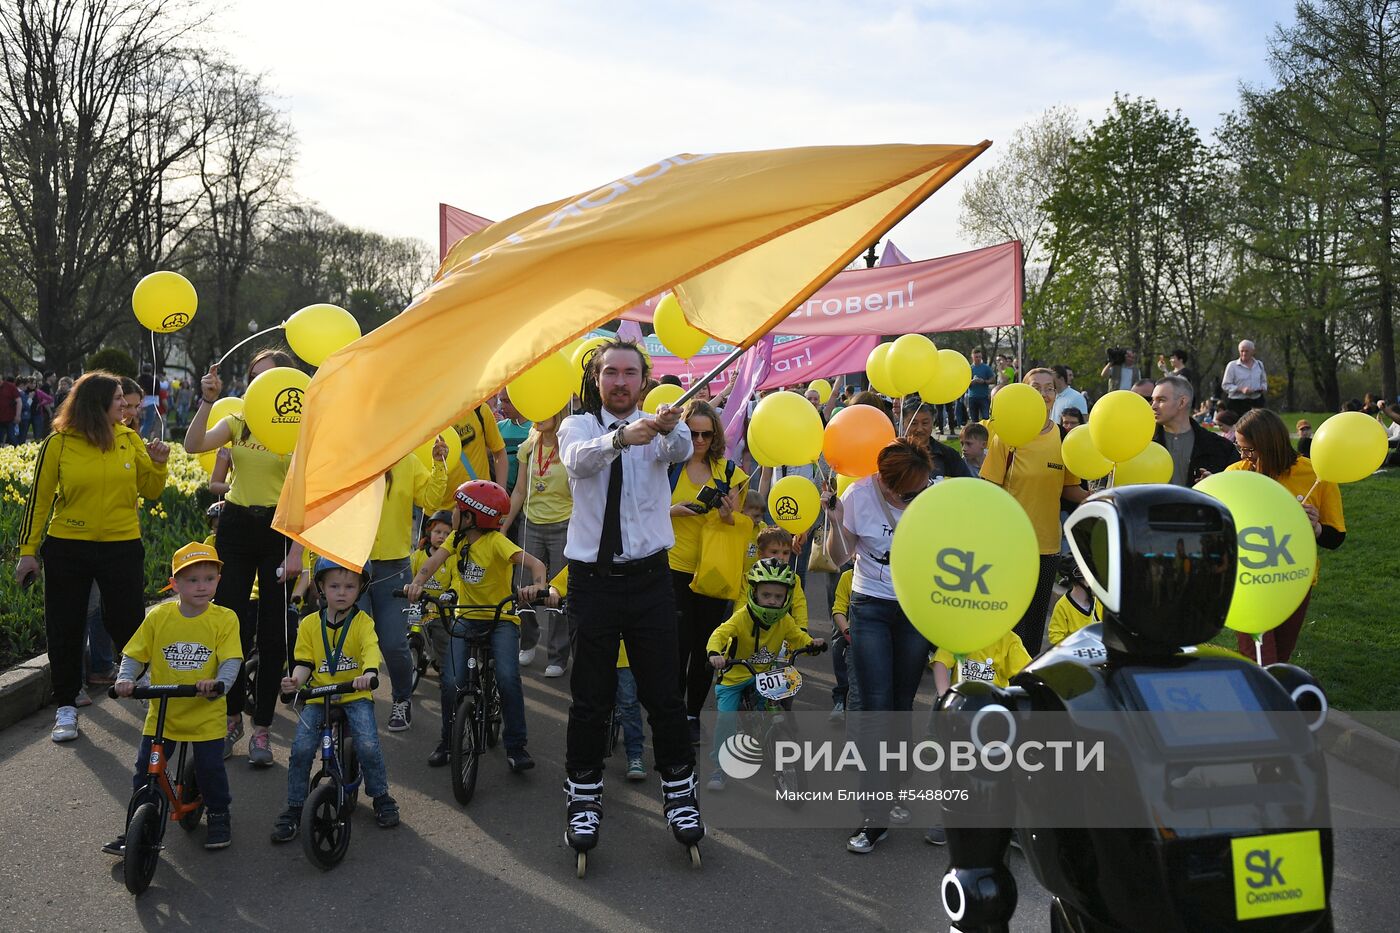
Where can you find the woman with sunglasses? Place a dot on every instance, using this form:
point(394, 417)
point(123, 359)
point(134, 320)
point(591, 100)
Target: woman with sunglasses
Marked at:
point(888, 653)
point(705, 483)
point(1036, 475)
point(1264, 446)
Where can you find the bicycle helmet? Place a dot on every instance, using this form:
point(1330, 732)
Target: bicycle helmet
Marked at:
point(214, 511)
point(325, 564)
point(487, 502)
point(441, 515)
point(770, 570)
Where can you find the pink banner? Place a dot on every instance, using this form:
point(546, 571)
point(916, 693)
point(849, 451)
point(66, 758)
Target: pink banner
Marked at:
point(455, 223)
point(793, 361)
point(981, 288)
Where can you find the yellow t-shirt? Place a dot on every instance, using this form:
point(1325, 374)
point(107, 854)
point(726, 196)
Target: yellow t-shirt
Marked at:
point(358, 655)
point(995, 664)
point(1069, 617)
point(183, 650)
point(735, 638)
point(842, 601)
point(437, 584)
point(751, 555)
point(561, 585)
point(798, 610)
point(410, 484)
point(685, 555)
point(480, 438)
point(548, 500)
point(1327, 497)
point(482, 572)
point(258, 473)
point(1038, 476)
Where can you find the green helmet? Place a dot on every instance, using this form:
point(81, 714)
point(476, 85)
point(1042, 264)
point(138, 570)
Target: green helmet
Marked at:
point(770, 570)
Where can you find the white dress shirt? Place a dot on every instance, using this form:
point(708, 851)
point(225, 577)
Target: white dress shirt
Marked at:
point(587, 452)
point(1069, 397)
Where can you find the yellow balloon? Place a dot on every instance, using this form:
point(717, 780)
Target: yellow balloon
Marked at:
point(424, 451)
point(790, 428)
point(164, 302)
point(208, 459)
point(951, 380)
point(1122, 425)
point(1018, 414)
point(674, 331)
point(221, 409)
point(877, 371)
point(317, 331)
point(1277, 550)
point(664, 394)
point(580, 355)
point(272, 407)
point(823, 389)
point(544, 389)
point(912, 362)
point(843, 482)
point(795, 503)
point(759, 454)
point(1348, 447)
point(965, 562)
point(1153, 465)
point(1081, 457)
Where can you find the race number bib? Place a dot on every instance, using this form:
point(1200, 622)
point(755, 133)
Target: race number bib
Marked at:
point(779, 684)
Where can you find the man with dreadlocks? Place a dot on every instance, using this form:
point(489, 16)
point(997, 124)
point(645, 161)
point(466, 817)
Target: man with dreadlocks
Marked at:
point(620, 586)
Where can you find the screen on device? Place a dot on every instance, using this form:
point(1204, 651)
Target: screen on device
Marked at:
point(1204, 707)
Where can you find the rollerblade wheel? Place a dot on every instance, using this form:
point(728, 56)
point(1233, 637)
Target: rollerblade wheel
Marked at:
point(695, 856)
point(582, 864)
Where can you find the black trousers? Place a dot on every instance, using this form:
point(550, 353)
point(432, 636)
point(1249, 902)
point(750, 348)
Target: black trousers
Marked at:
point(698, 617)
point(639, 608)
point(248, 546)
point(1031, 628)
point(70, 567)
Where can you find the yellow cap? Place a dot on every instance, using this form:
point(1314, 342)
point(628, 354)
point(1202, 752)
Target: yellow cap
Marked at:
point(194, 553)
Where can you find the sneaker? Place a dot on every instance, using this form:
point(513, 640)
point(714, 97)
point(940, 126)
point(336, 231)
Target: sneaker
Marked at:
point(694, 722)
point(636, 771)
point(287, 825)
point(936, 836)
point(231, 737)
point(554, 670)
point(65, 724)
point(838, 711)
point(863, 839)
point(717, 782)
point(900, 815)
point(527, 657)
point(519, 760)
point(386, 811)
point(82, 699)
point(218, 834)
point(439, 757)
point(117, 846)
point(400, 715)
point(260, 750)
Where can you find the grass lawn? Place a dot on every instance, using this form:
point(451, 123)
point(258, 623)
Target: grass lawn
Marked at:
point(1351, 641)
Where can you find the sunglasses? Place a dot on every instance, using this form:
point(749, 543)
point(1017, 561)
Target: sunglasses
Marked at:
point(908, 497)
point(702, 435)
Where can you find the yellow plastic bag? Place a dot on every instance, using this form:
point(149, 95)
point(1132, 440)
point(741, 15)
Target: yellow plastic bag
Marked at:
point(720, 570)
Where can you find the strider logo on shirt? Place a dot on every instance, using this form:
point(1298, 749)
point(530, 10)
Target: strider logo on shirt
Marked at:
point(985, 671)
point(347, 663)
point(186, 655)
point(472, 572)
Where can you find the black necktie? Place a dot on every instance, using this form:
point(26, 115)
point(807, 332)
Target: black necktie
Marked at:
point(610, 541)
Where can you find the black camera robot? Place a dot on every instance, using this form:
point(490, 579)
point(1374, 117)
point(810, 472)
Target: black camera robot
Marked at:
point(1252, 851)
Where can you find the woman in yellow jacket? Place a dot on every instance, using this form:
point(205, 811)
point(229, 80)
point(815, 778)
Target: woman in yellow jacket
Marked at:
point(89, 473)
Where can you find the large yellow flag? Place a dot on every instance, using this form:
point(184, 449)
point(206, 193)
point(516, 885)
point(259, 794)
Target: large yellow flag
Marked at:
point(742, 238)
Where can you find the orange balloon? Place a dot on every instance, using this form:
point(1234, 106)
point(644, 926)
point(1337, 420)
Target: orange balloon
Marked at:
point(854, 439)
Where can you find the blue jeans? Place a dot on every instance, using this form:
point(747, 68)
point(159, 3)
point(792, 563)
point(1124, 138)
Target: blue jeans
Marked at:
point(630, 712)
point(359, 717)
point(208, 769)
point(889, 660)
point(727, 701)
point(505, 651)
point(390, 623)
point(978, 409)
point(148, 421)
point(100, 652)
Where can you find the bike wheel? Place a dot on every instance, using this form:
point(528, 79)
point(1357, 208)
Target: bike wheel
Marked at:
point(325, 827)
point(493, 715)
point(464, 751)
point(420, 659)
point(189, 793)
point(142, 853)
point(250, 685)
point(790, 780)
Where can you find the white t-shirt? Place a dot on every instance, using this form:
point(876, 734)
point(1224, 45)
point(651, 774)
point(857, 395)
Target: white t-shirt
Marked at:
point(863, 517)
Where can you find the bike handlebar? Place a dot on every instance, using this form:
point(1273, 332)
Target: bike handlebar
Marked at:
point(789, 661)
point(452, 606)
point(327, 690)
point(155, 691)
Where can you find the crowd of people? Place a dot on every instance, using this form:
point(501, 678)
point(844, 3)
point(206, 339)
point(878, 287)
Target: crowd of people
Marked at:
point(602, 520)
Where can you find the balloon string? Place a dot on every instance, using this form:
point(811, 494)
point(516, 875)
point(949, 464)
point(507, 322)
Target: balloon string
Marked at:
point(1112, 475)
point(155, 383)
point(240, 343)
point(1259, 650)
point(1304, 499)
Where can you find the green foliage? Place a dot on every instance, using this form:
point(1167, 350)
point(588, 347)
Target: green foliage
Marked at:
point(114, 360)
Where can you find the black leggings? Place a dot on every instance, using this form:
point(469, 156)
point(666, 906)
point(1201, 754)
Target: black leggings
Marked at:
point(70, 567)
point(249, 546)
point(1031, 628)
point(698, 617)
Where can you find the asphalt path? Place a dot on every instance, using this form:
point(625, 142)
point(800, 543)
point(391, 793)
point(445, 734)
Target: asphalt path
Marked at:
point(502, 860)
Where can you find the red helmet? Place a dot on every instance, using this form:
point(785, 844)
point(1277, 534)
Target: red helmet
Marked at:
point(488, 501)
